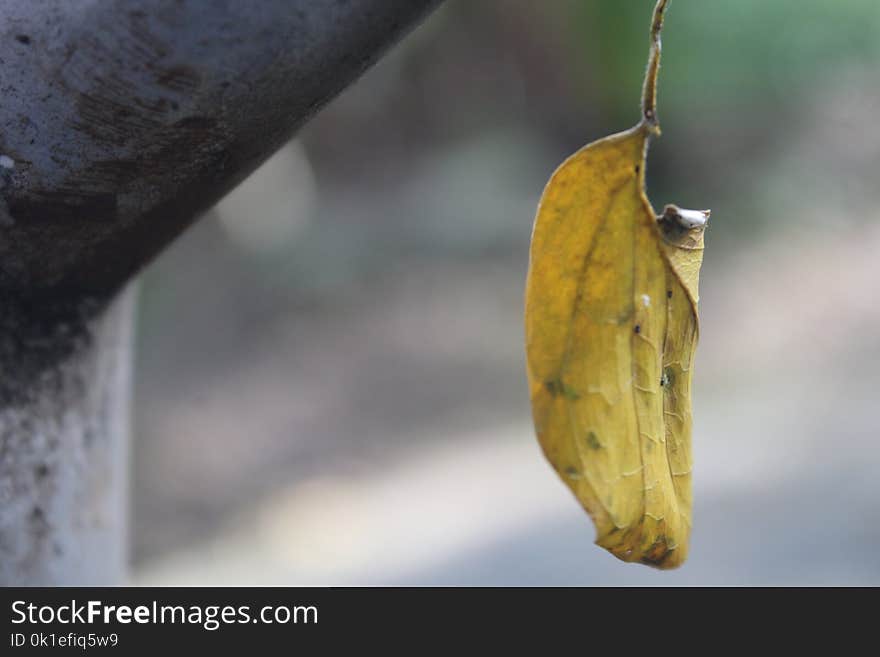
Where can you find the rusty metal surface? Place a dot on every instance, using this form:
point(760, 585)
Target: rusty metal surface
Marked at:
point(121, 120)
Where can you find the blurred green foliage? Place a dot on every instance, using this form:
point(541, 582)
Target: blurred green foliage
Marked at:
point(723, 55)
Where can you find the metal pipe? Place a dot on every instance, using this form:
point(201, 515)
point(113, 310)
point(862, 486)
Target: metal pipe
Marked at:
point(120, 121)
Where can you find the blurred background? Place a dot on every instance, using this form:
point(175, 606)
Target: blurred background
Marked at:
point(330, 373)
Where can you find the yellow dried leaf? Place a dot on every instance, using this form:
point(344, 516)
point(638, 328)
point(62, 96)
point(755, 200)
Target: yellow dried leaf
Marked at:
point(611, 330)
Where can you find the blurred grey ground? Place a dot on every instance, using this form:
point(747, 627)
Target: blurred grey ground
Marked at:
point(331, 385)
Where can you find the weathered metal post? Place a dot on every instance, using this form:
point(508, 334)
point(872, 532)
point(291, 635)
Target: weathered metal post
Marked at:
point(120, 121)
point(64, 429)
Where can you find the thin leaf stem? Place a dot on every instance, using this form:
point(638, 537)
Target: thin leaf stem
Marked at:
point(649, 91)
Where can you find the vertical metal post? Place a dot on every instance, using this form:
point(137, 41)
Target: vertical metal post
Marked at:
point(64, 444)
